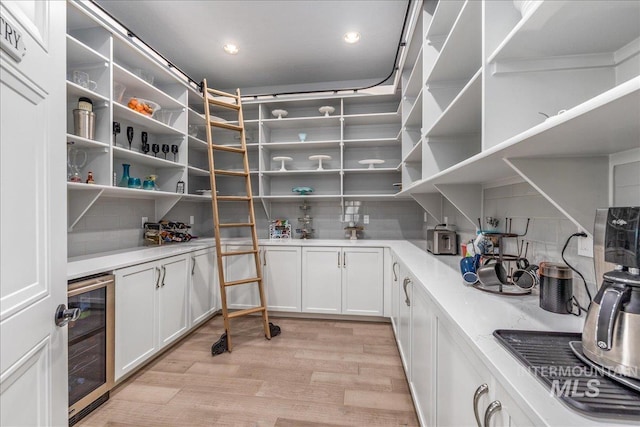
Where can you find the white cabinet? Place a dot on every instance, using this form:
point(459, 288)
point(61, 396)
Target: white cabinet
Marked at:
point(204, 290)
point(404, 320)
point(449, 384)
point(342, 280)
point(282, 272)
point(322, 280)
point(457, 379)
point(237, 268)
point(362, 281)
point(173, 299)
point(423, 353)
point(135, 316)
point(150, 310)
point(395, 292)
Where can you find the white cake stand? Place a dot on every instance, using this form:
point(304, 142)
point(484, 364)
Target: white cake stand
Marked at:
point(279, 113)
point(282, 159)
point(371, 162)
point(326, 110)
point(320, 158)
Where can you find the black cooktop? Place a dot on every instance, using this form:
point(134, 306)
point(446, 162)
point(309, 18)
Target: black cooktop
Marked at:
point(548, 356)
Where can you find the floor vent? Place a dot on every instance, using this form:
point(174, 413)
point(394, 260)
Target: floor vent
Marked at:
point(86, 411)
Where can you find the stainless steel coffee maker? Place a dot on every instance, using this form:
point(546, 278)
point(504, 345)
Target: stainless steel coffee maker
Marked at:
point(611, 335)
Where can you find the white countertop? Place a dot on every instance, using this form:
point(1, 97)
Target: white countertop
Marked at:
point(476, 313)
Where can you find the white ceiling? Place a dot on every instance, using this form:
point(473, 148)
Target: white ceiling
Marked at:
point(285, 46)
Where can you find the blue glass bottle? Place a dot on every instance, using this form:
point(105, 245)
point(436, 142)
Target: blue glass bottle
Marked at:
point(124, 181)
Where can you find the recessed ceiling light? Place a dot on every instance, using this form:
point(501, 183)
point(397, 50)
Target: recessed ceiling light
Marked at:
point(352, 37)
point(231, 49)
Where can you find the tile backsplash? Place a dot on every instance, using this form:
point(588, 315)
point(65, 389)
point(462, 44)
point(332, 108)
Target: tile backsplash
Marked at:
point(548, 230)
point(113, 224)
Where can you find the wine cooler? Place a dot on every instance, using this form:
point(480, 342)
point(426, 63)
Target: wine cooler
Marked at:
point(91, 340)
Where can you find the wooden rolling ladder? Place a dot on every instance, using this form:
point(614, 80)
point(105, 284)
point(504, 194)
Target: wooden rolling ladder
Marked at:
point(224, 343)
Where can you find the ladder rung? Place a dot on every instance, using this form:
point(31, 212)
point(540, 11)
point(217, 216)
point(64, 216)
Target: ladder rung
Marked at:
point(227, 148)
point(223, 104)
point(231, 173)
point(233, 198)
point(236, 224)
point(242, 282)
point(226, 126)
point(221, 93)
point(234, 253)
point(245, 312)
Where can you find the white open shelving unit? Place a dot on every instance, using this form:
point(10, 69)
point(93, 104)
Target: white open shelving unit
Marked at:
point(481, 121)
point(363, 125)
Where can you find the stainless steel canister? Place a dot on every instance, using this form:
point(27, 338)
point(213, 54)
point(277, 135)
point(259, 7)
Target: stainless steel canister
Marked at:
point(84, 123)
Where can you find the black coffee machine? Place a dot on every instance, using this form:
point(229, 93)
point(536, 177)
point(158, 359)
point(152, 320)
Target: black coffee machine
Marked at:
point(611, 335)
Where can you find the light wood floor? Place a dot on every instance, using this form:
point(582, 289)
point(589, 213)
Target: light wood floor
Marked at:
point(317, 372)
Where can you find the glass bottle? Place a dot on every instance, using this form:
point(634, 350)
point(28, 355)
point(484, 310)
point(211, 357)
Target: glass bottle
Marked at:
point(124, 181)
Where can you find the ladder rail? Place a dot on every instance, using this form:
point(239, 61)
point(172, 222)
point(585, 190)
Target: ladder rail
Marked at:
point(216, 215)
point(214, 206)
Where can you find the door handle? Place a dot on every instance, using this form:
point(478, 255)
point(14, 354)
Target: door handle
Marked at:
point(344, 259)
point(193, 267)
point(393, 269)
point(164, 274)
point(264, 258)
point(338, 259)
point(158, 279)
point(65, 315)
point(476, 397)
point(405, 282)
point(493, 407)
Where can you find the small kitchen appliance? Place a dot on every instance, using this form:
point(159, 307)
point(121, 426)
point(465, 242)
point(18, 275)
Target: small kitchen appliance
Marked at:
point(442, 241)
point(611, 335)
point(556, 287)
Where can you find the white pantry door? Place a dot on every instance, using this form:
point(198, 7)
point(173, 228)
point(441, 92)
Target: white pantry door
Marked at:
point(33, 245)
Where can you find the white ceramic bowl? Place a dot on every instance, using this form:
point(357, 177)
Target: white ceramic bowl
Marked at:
point(155, 107)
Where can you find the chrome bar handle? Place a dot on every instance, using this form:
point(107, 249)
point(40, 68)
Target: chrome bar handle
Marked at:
point(405, 282)
point(158, 279)
point(338, 259)
point(164, 274)
point(264, 257)
point(193, 267)
point(393, 269)
point(493, 407)
point(344, 259)
point(484, 388)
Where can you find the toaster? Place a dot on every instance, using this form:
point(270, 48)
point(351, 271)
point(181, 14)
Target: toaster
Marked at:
point(442, 242)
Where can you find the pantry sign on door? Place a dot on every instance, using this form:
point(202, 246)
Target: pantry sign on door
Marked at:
point(11, 40)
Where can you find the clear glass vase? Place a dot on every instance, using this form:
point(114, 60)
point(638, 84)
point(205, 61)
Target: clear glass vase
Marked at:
point(124, 181)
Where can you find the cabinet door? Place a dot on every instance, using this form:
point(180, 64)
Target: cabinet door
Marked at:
point(404, 321)
point(281, 268)
point(458, 376)
point(362, 281)
point(423, 354)
point(173, 299)
point(204, 283)
point(322, 280)
point(237, 268)
point(136, 291)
